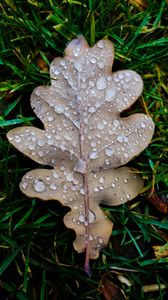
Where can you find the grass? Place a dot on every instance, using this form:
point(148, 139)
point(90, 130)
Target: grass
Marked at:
point(37, 259)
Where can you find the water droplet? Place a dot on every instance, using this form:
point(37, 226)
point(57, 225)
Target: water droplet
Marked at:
point(62, 63)
point(109, 151)
point(91, 217)
point(92, 109)
point(120, 75)
point(82, 191)
point(31, 146)
point(81, 218)
point(122, 138)
point(110, 93)
point(116, 123)
point(100, 44)
point(125, 180)
point(93, 155)
point(50, 118)
point(57, 71)
point(91, 83)
point(17, 139)
point(59, 108)
point(142, 125)
point(108, 162)
point(55, 175)
point(101, 83)
point(96, 189)
point(67, 137)
point(93, 144)
point(80, 166)
point(39, 186)
point(113, 185)
point(100, 240)
point(100, 64)
point(100, 126)
point(53, 186)
point(78, 66)
point(69, 177)
point(24, 185)
point(101, 179)
point(93, 60)
point(110, 131)
point(62, 168)
point(75, 52)
point(40, 153)
point(90, 237)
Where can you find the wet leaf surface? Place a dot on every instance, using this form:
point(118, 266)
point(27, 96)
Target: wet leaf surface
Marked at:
point(85, 140)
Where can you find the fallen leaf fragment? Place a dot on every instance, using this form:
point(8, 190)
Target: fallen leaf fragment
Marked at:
point(85, 140)
point(161, 203)
point(111, 291)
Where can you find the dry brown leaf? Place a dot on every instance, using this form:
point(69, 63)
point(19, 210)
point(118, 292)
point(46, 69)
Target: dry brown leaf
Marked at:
point(161, 203)
point(85, 140)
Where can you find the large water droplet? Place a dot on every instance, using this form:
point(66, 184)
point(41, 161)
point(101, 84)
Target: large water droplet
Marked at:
point(82, 191)
point(69, 177)
point(110, 93)
point(80, 166)
point(78, 66)
point(39, 186)
point(101, 83)
point(91, 217)
point(59, 108)
point(81, 218)
point(122, 138)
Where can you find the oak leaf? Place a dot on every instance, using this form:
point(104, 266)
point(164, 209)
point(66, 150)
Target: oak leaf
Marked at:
point(85, 140)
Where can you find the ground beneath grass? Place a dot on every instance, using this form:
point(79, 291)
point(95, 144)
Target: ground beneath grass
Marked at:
point(37, 260)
